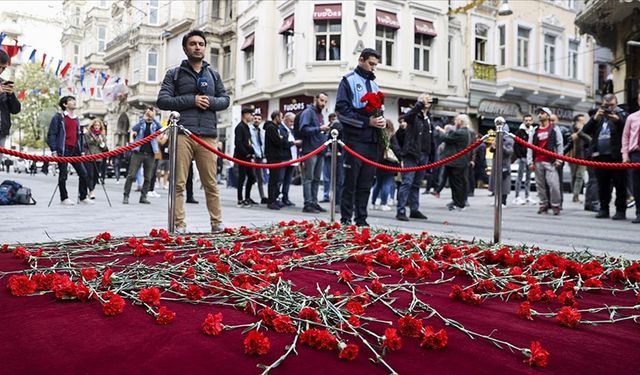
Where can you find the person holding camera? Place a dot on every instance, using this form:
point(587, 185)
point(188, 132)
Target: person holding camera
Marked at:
point(606, 128)
point(418, 148)
point(96, 142)
point(631, 154)
point(9, 104)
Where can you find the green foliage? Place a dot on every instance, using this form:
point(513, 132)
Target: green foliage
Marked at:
point(37, 108)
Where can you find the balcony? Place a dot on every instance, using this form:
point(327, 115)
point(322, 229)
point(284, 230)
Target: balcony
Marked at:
point(485, 72)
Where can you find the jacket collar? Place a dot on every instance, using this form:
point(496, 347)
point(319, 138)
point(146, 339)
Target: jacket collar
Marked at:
point(363, 73)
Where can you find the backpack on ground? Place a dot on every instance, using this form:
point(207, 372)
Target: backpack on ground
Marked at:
point(9, 192)
point(24, 196)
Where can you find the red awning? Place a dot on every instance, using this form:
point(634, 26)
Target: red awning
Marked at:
point(249, 42)
point(387, 19)
point(425, 28)
point(287, 25)
point(325, 12)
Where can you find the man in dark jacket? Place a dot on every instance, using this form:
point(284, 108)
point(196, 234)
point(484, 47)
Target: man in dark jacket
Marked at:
point(418, 148)
point(605, 129)
point(455, 142)
point(313, 136)
point(244, 151)
point(196, 91)
point(577, 147)
point(275, 146)
point(9, 104)
point(360, 132)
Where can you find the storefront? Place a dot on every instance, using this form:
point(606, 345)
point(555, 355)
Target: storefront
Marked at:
point(260, 108)
point(489, 110)
point(295, 104)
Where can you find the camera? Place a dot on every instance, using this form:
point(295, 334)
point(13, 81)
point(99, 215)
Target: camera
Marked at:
point(607, 111)
point(433, 101)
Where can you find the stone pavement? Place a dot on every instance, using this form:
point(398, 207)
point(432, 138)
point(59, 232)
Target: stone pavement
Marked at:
point(574, 229)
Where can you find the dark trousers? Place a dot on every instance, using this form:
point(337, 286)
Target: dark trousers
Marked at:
point(245, 174)
point(80, 170)
point(635, 180)
point(275, 182)
point(152, 183)
point(287, 176)
point(358, 178)
point(409, 192)
point(458, 184)
point(591, 201)
point(609, 179)
point(138, 159)
point(94, 173)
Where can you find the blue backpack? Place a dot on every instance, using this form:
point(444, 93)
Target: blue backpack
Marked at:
point(9, 192)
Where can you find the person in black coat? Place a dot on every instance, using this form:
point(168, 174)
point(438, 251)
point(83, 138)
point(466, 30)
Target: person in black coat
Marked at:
point(275, 146)
point(9, 104)
point(244, 151)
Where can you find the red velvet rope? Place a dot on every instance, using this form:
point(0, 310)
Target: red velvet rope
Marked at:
point(84, 158)
point(588, 163)
point(256, 165)
point(436, 164)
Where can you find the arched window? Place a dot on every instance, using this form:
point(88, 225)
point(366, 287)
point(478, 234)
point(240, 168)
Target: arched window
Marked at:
point(152, 65)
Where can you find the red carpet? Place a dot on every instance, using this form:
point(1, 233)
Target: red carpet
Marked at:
point(43, 335)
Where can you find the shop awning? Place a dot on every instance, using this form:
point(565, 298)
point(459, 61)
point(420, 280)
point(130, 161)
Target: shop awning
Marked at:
point(287, 25)
point(387, 19)
point(324, 12)
point(425, 28)
point(249, 41)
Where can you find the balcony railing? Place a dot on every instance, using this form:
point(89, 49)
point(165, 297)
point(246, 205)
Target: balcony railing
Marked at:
point(485, 72)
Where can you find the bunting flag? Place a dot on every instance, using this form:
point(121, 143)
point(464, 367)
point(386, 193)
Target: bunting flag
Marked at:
point(126, 82)
point(91, 91)
point(65, 69)
point(48, 68)
point(2, 36)
point(44, 58)
point(82, 73)
point(106, 77)
point(22, 49)
point(58, 68)
point(32, 57)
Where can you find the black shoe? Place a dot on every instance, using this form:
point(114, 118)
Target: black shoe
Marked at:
point(288, 203)
point(280, 204)
point(362, 224)
point(125, 200)
point(345, 223)
point(602, 214)
point(636, 220)
point(417, 215)
point(620, 215)
point(191, 200)
point(273, 206)
point(251, 201)
point(318, 208)
point(144, 200)
point(402, 217)
point(264, 201)
point(310, 209)
point(325, 200)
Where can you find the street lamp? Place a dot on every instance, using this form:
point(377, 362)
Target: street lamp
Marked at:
point(505, 9)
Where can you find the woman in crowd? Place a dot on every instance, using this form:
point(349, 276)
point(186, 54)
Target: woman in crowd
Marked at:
point(96, 142)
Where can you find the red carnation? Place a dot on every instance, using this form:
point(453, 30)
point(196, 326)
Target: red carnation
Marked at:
point(539, 357)
point(391, 340)
point(89, 273)
point(354, 308)
point(165, 316)
point(434, 340)
point(114, 305)
point(349, 352)
point(222, 267)
point(309, 313)
point(268, 315)
point(410, 326)
point(256, 343)
point(21, 285)
point(194, 292)
point(169, 257)
point(189, 273)
point(21, 253)
point(345, 276)
point(524, 310)
point(150, 296)
point(283, 324)
point(319, 339)
point(106, 277)
point(593, 283)
point(212, 325)
point(376, 286)
point(82, 292)
point(567, 298)
point(568, 317)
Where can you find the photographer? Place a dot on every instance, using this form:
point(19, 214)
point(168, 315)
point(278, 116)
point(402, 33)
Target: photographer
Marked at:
point(605, 129)
point(9, 104)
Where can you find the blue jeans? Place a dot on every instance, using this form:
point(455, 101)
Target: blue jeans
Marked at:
point(311, 179)
point(286, 182)
point(409, 191)
point(384, 187)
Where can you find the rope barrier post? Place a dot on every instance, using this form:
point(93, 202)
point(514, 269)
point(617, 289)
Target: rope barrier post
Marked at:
point(334, 173)
point(496, 171)
point(173, 123)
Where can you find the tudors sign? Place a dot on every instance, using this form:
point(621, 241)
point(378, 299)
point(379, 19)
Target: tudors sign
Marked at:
point(494, 107)
point(327, 12)
point(295, 104)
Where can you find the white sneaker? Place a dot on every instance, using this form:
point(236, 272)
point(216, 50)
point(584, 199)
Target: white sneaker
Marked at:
point(391, 202)
point(92, 195)
point(87, 201)
point(531, 200)
point(385, 207)
point(153, 194)
point(376, 207)
point(68, 202)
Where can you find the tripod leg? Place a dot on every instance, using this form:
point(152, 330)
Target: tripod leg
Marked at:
point(97, 172)
point(53, 195)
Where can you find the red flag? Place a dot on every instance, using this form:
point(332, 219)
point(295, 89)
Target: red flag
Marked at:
point(126, 82)
point(91, 90)
point(44, 58)
point(21, 95)
point(105, 81)
point(64, 70)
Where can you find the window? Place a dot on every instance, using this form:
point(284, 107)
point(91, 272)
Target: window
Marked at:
point(228, 9)
point(422, 52)
point(102, 37)
point(102, 4)
point(502, 40)
point(549, 54)
point(523, 47)
point(203, 11)
point(226, 62)
point(213, 59)
point(571, 4)
point(328, 40)
point(288, 50)
point(215, 9)
point(248, 63)
point(153, 12)
point(76, 17)
point(450, 59)
point(481, 43)
point(135, 68)
point(385, 40)
point(152, 65)
point(76, 54)
point(573, 58)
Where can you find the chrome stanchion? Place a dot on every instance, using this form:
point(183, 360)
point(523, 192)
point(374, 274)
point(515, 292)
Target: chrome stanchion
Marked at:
point(334, 173)
point(497, 180)
point(173, 145)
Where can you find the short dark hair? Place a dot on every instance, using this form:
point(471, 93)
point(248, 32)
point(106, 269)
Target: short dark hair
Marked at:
point(577, 117)
point(332, 114)
point(609, 97)
point(191, 33)
point(275, 114)
point(247, 110)
point(368, 52)
point(321, 93)
point(63, 101)
point(526, 115)
point(151, 108)
point(4, 57)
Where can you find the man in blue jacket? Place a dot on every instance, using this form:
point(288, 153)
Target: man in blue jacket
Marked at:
point(196, 91)
point(313, 136)
point(143, 155)
point(65, 138)
point(360, 132)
